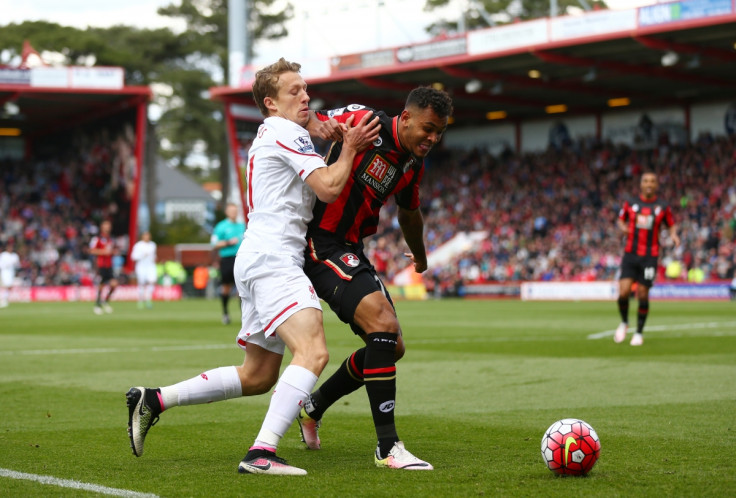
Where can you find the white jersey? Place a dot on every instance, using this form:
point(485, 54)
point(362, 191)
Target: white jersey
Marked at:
point(9, 262)
point(144, 253)
point(279, 202)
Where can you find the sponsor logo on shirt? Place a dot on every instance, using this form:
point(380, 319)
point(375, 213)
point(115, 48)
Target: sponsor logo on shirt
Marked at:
point(380, 175)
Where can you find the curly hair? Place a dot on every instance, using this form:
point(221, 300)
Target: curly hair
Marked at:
point(426, 96)
point(266, 83)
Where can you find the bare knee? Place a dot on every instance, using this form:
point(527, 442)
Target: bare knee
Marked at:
point(315, 360)
point(376, 318)
point(253, 383)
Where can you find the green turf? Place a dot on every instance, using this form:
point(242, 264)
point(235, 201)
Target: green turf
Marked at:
point(479, 385)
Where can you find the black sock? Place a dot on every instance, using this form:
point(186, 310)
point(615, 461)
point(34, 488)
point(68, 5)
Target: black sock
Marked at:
point(346, 379)
point(379, 374)
point(641, 316)
point(99, 297)
point(623, 309)
point(225, 298)
point(109, 294)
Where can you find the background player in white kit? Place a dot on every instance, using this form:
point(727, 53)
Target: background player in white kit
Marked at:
point(279, 305)
point(144, 255)
point(9, 263)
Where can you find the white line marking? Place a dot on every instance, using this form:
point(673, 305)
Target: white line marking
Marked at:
point(69, 483)
point(116, 350)
point(659, 328)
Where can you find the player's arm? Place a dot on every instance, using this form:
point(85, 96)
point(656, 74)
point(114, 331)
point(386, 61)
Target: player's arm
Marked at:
point(674, 235)
point(621, 220)
point(328, 182)
point(217, 242)
point(411, 222)
point(100, 251)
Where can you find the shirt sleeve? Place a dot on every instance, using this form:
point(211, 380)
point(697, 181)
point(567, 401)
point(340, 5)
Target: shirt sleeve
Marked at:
point(296, 148)
point(343, 113)
point(408, 197)
point(668, 218)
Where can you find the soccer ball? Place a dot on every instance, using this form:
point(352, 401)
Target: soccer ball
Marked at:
point(570, 447)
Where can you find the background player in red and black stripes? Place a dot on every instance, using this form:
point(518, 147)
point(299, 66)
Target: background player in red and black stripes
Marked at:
point(102, 246)
point(344, 277)
point(641, 220)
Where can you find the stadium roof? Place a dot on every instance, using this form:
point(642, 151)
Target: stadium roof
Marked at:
point(53, 102)
point(663, 55)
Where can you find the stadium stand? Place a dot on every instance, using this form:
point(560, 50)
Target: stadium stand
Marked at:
point(551, 215)
point(52, 203)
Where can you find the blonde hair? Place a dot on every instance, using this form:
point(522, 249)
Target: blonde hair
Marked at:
point(267, 82)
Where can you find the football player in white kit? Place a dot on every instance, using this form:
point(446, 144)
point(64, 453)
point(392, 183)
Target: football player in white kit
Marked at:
point(9, 263)
point(144, 255)
point(279, 305)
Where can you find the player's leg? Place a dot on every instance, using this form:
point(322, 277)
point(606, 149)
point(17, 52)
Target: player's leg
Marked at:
point(256, 376)
point(227, 266)
point(377, 317)
point(629, 272)
point(642, 294)
point(112, 284)
point(140, 277)
point(4, 290)
point(304, 336)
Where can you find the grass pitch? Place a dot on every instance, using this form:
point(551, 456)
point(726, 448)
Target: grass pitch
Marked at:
point(479, 385)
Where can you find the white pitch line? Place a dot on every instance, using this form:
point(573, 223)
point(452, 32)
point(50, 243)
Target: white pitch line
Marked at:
point(69, 483)
point(682, 326)
point(116, 350)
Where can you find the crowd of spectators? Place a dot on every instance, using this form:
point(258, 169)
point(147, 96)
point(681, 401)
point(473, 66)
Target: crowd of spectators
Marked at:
point(546, 216)
point(51, 205)
point(551, 215)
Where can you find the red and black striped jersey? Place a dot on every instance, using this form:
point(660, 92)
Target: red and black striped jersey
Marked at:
point(382, 170)
point(102, 242)
point(645, 219)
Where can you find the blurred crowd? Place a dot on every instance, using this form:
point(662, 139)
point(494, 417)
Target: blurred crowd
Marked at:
point(50, 207)
point(545, 216)
point(551, 215)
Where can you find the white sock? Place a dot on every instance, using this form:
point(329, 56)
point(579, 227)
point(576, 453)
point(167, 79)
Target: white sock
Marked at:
point(149, 292)
point(292, 389)
point(213, 385)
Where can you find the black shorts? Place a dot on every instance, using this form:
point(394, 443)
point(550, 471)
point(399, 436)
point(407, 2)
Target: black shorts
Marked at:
point(342, 277)
point(641, 269)
point(227, 270)
point(105, 274)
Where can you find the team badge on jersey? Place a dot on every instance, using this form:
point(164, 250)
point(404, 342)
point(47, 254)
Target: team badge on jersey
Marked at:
point(350, 260)
point(304, 145)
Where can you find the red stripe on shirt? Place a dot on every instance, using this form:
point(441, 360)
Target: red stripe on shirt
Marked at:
point(296, 151)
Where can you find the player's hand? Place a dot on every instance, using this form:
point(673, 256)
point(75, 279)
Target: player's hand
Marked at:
point(676, 239)
point(329, 130)
point(362, 134)
point(419, 266)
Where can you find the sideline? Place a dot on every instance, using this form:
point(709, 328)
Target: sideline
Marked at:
point(69, 483)
point(684, 326)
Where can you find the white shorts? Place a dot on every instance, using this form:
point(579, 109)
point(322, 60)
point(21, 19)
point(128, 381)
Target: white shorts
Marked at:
point(272, 287)
point(145, 274)
point(6, 278)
